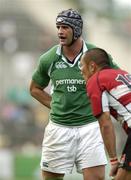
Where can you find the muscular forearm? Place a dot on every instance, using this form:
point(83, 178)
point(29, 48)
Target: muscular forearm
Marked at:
point(109, 140)
point(108, 134)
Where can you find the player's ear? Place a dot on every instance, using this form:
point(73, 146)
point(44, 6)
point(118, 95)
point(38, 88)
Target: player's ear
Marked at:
point(91, 66)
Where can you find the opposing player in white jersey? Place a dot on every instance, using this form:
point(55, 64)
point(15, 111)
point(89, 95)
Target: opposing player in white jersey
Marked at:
point(110, 93)
point(72, 136)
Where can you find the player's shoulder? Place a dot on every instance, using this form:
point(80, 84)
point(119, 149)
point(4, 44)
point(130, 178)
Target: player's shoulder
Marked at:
point(49, 56)
point(93, 80)
point(110, 72)
point(106, 73)
point(50, 52)
point(107, 76)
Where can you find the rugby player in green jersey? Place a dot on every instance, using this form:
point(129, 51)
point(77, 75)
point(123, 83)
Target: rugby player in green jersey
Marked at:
point(72, 136)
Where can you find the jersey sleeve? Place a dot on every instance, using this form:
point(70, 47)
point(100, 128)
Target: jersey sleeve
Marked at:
point(98, 97)
point(40, 75)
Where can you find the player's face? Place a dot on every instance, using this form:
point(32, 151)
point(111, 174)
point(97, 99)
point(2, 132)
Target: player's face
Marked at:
point(86, 68)
point(65, 34)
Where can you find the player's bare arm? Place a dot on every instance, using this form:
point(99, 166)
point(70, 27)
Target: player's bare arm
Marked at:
point(108, 134)
point(39, 94)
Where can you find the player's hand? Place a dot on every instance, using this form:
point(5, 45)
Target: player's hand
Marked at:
point(114, 168)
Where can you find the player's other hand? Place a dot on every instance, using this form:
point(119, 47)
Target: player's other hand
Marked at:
point(114, 168)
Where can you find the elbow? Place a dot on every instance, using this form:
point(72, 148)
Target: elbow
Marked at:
point(32, 90)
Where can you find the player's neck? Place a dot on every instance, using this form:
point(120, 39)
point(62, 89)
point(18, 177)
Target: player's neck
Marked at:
point(72, 51)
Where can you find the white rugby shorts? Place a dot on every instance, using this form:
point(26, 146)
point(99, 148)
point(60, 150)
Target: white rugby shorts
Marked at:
point(63, 147)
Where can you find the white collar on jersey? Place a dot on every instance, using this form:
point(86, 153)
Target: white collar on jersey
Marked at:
point(59, 52)
point(59, 49)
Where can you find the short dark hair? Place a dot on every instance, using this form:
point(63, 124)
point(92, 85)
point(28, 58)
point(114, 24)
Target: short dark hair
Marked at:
point(99, 56)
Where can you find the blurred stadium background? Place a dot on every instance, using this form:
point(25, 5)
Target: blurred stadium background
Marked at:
point(27, 29)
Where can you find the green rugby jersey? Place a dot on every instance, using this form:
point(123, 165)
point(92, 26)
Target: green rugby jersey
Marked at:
point(70, 105)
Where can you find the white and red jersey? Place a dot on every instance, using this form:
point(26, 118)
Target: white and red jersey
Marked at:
point(110, 90)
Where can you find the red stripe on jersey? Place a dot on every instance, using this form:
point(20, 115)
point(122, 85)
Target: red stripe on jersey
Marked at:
point(106, 80)
point(125, 99)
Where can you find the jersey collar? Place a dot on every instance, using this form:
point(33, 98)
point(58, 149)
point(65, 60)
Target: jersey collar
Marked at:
point(59, 52)
point(59, 49)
